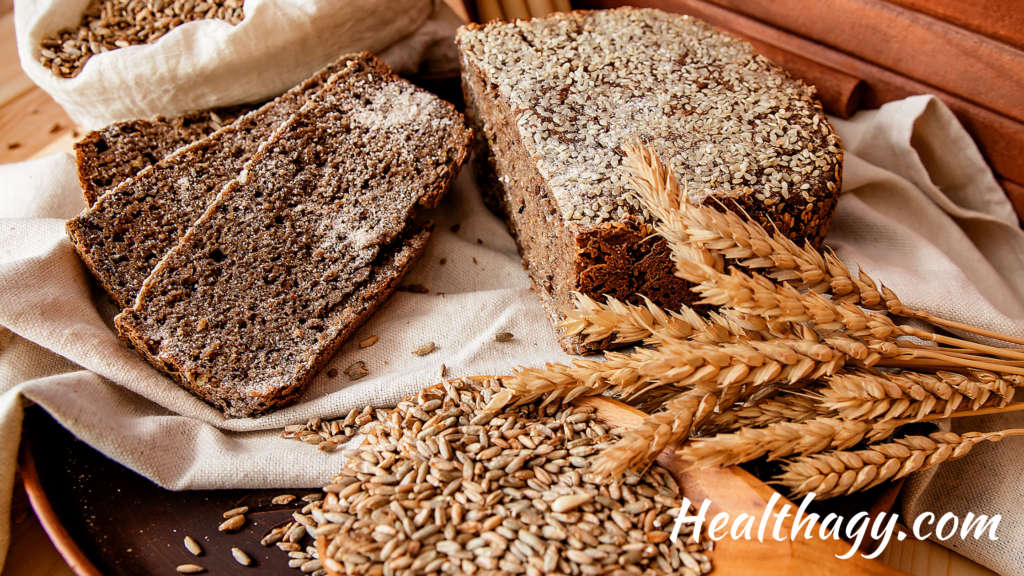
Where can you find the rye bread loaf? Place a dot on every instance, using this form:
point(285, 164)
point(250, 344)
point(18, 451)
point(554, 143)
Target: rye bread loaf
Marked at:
point(552, 102)
point(114, 154)
point(128, 230)
point(294, 253)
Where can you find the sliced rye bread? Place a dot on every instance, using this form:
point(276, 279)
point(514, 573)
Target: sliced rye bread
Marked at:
point(118, 152)
point(128, 230)
point(294, 253)
point(239, 400)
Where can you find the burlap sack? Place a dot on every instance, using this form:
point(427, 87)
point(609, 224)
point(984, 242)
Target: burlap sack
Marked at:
point(210, 63)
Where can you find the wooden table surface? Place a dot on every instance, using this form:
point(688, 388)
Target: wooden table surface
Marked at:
point(33, 125)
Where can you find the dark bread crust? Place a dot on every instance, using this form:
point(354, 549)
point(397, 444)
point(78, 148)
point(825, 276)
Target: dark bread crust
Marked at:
point(120, 151)
point(266, 285)
point(617, 257)
point(382, 281)
point(122, 237)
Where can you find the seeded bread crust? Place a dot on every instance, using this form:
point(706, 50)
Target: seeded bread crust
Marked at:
point(120, 151)
point(266, 285)
point(123, 236)
point(552, 102)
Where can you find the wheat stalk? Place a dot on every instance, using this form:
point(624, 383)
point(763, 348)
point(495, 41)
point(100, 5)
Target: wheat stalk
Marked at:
point(895, 306)
point(554, 382)
point(844, 472)
point(740, 240)
point(641, 444)
point(735, 369)
point(910, 396)
point(706, 236)
point(764, 412)
point(757, 295)
point(691, 372)
point(775, 329)
point(782, 439)
point(628, 323)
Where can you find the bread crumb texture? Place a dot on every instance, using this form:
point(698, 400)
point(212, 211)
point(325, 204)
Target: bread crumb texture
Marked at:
point(285, 263)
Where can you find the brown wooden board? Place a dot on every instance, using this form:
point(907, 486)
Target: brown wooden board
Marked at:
point(961, 62)
point(999, 19)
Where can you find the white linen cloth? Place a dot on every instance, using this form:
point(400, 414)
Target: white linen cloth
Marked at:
point(921, 212)
point(210, 63)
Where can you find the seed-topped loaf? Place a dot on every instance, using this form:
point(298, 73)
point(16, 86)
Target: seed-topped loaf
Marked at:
point(114, 154)
point(553, 100)
point(270, 280)
point(127, 231)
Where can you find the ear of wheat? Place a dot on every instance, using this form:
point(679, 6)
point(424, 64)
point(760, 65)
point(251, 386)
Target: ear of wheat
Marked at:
point(629, 323)
point(782, 439)
point(760, 413)
point(911, 397)
point(702, 234)
point(790, 318)
point(641, 444)
point(840, 472)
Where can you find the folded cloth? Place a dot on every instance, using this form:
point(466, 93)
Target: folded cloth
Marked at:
point(921, 212)
point(948, 247)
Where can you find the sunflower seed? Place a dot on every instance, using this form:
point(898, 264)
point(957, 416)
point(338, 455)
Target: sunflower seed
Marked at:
point(503, 336)
point(190, 569)
point(369, 342)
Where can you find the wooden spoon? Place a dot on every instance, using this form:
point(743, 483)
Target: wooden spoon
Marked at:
point(735, 491)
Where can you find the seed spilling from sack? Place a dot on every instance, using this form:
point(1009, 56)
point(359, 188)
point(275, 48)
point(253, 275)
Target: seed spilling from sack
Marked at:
point(111, 24)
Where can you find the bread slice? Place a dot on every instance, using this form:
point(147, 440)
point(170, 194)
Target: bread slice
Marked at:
point(297, 250)
point(118, 152)
point(552, 102)
point(128, 230)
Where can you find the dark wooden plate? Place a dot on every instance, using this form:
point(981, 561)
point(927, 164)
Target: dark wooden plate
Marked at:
point(107, 520)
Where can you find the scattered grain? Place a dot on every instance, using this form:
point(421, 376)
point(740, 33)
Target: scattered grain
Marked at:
point(232, 524)
point(193, 546)
point(425, 349)
point(356, 371)
point(241, 557)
